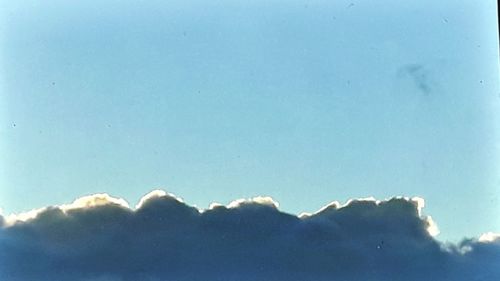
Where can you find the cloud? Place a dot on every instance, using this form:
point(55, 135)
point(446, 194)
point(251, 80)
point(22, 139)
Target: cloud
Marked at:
point(101, 238)
point(420, 77)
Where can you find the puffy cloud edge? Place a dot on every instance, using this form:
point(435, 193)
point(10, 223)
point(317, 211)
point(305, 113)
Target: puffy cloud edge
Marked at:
point(102, 199)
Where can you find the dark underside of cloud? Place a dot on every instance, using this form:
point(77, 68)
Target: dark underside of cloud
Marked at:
point(165, 239)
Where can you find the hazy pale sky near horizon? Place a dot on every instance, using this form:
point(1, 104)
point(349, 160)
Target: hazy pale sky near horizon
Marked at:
point(304, 101)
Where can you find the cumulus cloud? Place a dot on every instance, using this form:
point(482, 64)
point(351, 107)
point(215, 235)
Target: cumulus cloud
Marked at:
point(101, 238)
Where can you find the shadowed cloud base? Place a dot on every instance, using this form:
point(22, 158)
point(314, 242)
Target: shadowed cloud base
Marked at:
point(101, 238)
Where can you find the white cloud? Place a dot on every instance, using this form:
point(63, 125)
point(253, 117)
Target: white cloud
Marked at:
point(262, 200)
point(99, 199)
point(489, 237)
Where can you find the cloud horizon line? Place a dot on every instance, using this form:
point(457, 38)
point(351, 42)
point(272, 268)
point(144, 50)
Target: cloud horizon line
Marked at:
point(102, 238)
point(104, 198)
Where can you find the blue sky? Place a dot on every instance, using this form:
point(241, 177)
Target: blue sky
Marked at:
point(307, 102)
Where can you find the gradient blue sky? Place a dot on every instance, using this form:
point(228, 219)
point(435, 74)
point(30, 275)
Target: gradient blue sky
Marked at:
point(304, 101)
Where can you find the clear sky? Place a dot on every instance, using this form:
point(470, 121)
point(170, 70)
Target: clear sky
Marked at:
point(304, 101)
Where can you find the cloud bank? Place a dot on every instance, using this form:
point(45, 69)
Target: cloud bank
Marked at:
point(101, 238)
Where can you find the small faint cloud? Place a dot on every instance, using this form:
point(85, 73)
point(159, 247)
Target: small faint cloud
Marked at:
point(420, 76)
